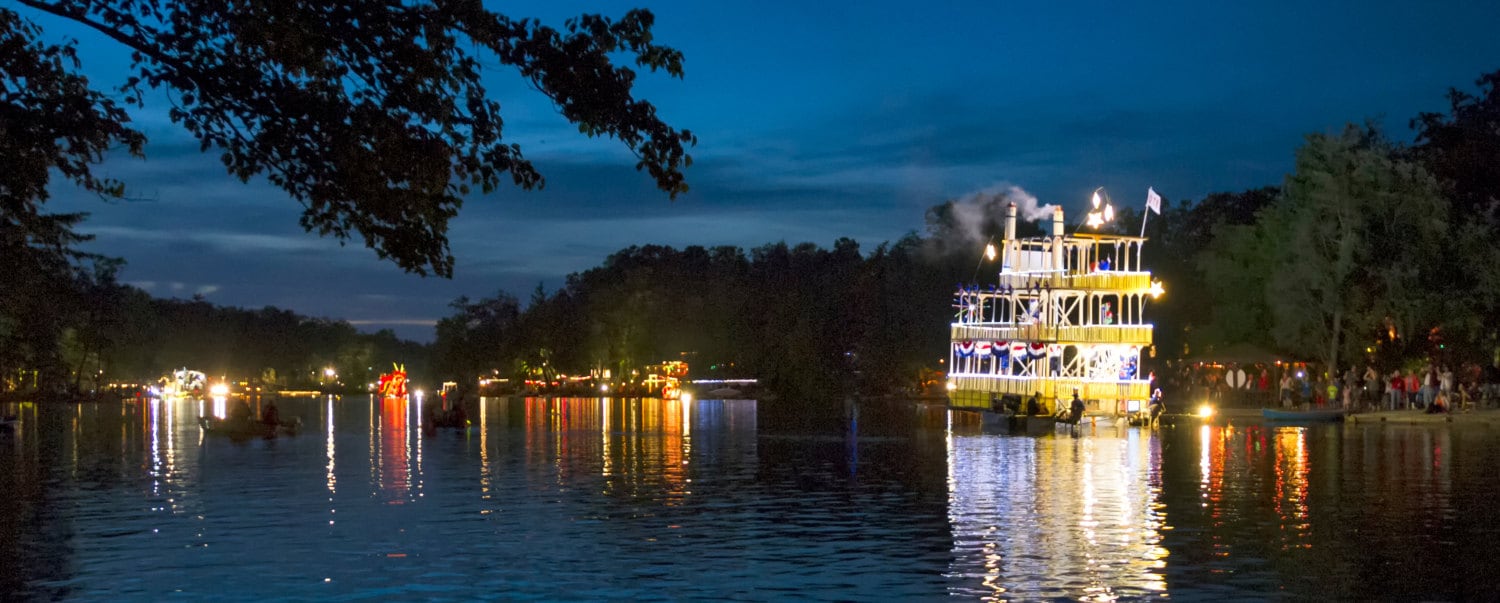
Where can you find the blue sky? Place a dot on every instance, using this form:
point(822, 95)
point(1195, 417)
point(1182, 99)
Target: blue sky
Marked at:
point(821, 120)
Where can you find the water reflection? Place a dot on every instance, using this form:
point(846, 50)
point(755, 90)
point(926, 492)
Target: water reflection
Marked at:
point(390, 443)
point(1056, 516)
point(627, 498)
point(330, 477)
point(633, 442)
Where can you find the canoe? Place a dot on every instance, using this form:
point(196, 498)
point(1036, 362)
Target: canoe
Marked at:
point(446, 419)
point(447, 423)
point(1307, 416)
point(252, 429)
point(1033, 424)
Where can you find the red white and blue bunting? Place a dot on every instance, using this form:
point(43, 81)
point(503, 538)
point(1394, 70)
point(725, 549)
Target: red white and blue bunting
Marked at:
point(1002, 349)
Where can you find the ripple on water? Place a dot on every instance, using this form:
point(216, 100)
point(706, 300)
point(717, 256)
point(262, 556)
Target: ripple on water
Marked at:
point(547, 504)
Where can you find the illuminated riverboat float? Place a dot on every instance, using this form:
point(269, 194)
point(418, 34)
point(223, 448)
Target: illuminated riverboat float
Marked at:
point(182, 383)
point(1067, 313)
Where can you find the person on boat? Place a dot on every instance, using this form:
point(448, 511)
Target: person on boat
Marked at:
point(1034, 405)
point(270, 415)
point(1155, 408)
point(241, 412)
point(1075, 409)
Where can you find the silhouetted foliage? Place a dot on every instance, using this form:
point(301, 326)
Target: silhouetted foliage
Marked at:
point(374, 116)
point(81, 334)
point(1184, 323)
point(808, 322)
point(1462, 148)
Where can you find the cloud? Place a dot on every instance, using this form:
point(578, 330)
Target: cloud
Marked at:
point(221, 240)
point(418, 322)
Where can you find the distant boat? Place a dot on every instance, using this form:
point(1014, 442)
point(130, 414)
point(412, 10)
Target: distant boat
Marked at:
point(244, 429)
point(184, 383)
point(1305, 416)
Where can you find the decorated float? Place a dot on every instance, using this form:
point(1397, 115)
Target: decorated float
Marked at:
point(665, 379)
point(1066, 314)
point(393, 384)
point(182, 383)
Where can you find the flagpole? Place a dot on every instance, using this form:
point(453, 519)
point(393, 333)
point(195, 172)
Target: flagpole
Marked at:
point(1153, 203)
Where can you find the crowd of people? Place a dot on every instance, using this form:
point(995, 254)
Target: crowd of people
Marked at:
point(1433, 386)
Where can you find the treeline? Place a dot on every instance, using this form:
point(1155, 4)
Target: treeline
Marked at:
point(69, 328)
point(806, 321)
point(1370, 251)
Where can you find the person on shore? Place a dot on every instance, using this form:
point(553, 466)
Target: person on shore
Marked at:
point(1351, 388)
point(1439, 404)
point(1413, 389)
point(1398, 390)
point(1429, 385)
point(1445, 382)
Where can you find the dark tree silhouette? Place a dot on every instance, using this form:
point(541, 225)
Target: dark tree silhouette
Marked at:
point(1462, 148)
point(373, 115)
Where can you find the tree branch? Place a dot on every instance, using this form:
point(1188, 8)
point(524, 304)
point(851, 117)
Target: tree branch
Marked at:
point(133, 43)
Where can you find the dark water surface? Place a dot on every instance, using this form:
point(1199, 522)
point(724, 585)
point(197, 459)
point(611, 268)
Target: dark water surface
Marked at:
point(591, 499)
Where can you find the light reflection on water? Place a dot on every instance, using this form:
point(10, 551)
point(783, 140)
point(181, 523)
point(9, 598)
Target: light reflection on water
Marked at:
point(1056, 516)
point(604, 498)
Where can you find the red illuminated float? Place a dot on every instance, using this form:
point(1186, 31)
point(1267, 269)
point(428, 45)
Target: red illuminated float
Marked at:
point(393, 384)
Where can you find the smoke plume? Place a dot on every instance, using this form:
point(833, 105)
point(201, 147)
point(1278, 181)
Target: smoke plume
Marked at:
point(977, 212)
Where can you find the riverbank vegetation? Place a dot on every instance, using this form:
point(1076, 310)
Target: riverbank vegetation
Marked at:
point(74, 333)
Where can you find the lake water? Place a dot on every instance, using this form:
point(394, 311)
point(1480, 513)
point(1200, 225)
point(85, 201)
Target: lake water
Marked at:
point(594, 499)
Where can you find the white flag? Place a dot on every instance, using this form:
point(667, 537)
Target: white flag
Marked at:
point(1153, 200)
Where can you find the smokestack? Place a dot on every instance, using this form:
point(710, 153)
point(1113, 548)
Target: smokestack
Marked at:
point(1010, 222)
point(1057, 237)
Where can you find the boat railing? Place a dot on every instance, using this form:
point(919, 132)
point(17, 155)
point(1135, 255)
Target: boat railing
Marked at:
point(1053, 387)
point(1124, 334)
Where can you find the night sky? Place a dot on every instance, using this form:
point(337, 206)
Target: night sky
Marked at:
point(818, 121)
